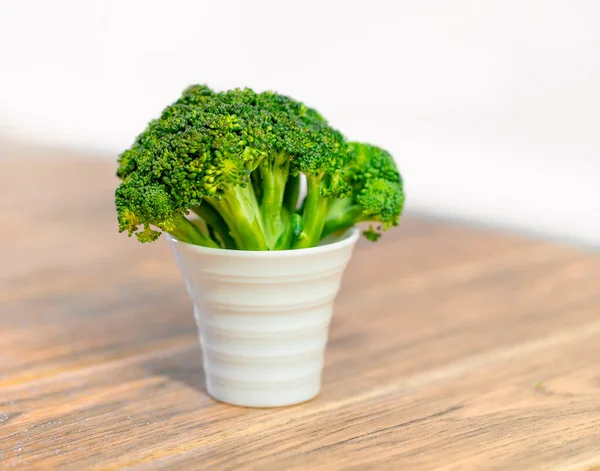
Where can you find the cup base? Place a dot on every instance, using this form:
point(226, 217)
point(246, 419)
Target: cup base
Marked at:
point(265, 396)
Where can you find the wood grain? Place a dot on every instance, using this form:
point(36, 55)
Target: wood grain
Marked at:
point(451, 348)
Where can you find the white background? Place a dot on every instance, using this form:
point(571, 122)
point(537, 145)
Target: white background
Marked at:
point(492, 108)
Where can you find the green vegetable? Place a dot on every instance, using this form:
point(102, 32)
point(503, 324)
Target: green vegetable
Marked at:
point(377, 195)
point(224, 170)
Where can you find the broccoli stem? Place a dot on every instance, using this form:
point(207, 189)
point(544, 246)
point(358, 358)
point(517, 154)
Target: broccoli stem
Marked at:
point(256, 179)
point(292, 193)
point(187, 232)
point(285, 239)
point(313, 214)
point(240, 211)
point(215, 221)
point(293, 229)
point(274, 176)
point(342, 214)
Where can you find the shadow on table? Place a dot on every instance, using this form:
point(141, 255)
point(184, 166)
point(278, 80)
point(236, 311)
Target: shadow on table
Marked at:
point(184, 367)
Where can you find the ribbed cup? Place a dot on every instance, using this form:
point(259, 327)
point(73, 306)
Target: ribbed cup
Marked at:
point(263, 317)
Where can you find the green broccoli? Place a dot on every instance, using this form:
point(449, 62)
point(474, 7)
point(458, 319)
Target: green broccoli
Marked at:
point(236, 160)
point(377, 192)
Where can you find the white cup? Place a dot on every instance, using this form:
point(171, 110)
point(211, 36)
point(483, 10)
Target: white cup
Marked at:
point(263, 317)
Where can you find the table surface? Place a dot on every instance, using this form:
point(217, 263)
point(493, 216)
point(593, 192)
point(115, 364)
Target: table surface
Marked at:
point(451, 348)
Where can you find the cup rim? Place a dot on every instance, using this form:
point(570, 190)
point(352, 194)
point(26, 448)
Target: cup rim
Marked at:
point(347, 239)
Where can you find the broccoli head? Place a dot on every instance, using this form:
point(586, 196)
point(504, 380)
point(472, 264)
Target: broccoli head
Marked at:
point(377, 192)
point(223, 169)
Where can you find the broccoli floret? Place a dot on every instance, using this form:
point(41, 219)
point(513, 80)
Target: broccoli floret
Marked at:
point(377, 192)
point(141, 204)
point(235, 159)
point(201, 151)
point(304, 145)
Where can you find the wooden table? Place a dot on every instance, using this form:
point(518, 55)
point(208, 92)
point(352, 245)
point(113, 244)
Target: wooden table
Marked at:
point(451, 348)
